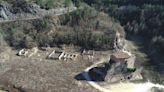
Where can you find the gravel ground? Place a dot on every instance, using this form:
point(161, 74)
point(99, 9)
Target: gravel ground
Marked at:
point(41, 75)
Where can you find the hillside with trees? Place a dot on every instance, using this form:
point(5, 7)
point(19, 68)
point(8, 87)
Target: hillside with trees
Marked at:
point(85, 27)
point(139, 17)
point(45, 45)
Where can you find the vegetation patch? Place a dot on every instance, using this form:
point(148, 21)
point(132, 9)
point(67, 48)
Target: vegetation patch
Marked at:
point(131, 70)
point(85, 27)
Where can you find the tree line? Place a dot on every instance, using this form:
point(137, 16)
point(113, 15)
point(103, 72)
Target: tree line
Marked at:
point(139, 17)
point(81, 28)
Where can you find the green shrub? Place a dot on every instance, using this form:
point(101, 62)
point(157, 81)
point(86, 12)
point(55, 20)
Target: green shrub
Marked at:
point(68, 3)
point(16, 38)
point(2, 42)
point(46, 4)
point(131, 70)
point(42, 25)
point(43, 40)
point(28, 42)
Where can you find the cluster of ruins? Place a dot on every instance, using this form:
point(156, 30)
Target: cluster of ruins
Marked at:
point(28, 52)
point(89, 54)
point(121, 53)
point(125, 60)
point(58, 54)
point(61, 55)
point(120, 42)
point(123, 56)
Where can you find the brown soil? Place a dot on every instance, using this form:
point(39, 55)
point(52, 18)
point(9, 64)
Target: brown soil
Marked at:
point(37, 74)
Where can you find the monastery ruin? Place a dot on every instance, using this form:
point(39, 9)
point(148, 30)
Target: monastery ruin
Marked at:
point(62, 55)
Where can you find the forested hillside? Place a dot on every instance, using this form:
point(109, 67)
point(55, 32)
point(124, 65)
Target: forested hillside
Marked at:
point(139, 17)
point(81, 45)
point(86, 27)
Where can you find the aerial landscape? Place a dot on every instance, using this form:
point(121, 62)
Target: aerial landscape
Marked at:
point(81, 45)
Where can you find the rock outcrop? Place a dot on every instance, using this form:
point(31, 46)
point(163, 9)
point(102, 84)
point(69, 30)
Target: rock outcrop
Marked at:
point(21, 10)
point(121, 66)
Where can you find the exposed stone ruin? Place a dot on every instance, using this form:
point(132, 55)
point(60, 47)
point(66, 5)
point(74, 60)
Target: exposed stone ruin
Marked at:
point(121, 66)
point(23, 52)
point(89, 54)
point(28, 52)
point(61, 55)
point(123, 56)
point(119, 42)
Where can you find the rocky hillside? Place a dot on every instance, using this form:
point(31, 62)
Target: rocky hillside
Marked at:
point(25, 10)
